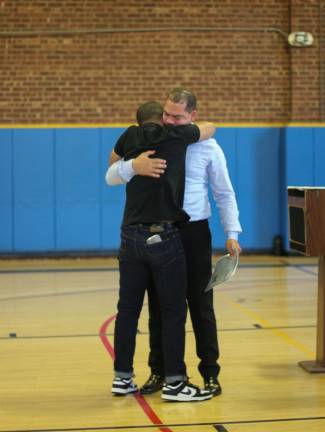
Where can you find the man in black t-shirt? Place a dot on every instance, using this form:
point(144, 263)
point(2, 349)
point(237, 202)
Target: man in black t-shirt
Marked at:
point(151, 249)
point(157, 200)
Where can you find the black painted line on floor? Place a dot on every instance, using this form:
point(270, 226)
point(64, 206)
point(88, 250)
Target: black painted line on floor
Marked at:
point(305, 270)
point(101, 290)
point(63, 293)
point(264, 265)
point(260, 327)
point(50, 336)
point(155, 426)
point(254, 327)
point(113, 269)
point(61, 270)
point(241, 285)
point(289, 327)
point(279, 420)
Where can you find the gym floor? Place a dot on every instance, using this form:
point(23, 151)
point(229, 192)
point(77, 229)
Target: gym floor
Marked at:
point(56, 343)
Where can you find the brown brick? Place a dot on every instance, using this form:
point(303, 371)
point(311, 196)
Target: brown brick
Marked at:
point(237, 75)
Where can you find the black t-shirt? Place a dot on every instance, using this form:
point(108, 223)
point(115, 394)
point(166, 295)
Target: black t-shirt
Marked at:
point(160, 199)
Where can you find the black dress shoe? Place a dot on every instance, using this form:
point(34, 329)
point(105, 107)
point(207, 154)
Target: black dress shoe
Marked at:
point(212, 384)
point(154, 384)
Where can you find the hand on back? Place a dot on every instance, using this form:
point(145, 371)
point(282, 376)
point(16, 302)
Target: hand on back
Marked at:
point(149, 166)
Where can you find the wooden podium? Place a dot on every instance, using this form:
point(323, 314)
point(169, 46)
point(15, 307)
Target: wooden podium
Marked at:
point(307, 235)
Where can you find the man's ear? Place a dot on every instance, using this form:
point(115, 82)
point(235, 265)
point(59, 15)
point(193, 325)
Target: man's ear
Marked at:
point(193, 115)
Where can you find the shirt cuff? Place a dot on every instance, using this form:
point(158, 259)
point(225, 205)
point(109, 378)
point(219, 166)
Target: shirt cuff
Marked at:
point(126, 171)
point(233, 235)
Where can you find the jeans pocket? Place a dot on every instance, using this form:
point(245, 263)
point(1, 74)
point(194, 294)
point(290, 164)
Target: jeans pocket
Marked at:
point(163, 253)
point(123, 248)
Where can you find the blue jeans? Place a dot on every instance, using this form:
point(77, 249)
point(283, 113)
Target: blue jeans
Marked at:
point(141, 264)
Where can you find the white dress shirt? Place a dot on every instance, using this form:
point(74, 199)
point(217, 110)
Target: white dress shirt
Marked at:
point(205, 164)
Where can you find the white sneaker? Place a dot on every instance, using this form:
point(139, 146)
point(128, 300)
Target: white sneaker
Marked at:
point(123, 386)
point(184, 391)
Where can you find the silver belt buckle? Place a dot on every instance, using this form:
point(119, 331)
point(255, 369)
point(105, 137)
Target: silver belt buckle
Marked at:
point(156, 228)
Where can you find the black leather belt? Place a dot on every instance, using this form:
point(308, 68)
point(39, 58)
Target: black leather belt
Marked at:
point(157, 227)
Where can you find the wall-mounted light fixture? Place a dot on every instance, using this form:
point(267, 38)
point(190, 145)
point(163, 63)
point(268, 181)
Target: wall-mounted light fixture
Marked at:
point(300, 39)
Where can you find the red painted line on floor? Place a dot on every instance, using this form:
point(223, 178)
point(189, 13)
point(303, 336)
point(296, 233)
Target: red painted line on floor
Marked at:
point(104, 338)
point(146, 408)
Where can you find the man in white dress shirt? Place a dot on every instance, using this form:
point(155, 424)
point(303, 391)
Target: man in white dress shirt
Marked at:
point(205, 165)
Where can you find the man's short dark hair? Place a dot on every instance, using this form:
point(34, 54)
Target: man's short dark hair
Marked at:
point(182, 95)
point(149, 111)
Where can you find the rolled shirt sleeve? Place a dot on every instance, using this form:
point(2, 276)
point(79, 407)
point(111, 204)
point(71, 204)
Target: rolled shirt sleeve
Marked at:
point(120, 172)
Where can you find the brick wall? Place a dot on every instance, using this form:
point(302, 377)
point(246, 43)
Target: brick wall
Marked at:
point(240, 72)
point(305, 62)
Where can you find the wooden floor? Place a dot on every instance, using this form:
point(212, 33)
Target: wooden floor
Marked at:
point(56, 327)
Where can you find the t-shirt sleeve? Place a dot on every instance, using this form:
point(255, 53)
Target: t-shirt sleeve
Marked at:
point(191, 133)
point(120, 147)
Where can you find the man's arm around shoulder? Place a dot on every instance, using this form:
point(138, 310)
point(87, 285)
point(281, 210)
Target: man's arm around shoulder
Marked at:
point(207, 130)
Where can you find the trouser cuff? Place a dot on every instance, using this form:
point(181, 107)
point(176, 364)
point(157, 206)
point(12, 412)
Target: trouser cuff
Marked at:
point(123, 374)
point(172, 378)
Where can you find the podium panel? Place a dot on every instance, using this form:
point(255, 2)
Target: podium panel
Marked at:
point(307, 220)
point(307, 235)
